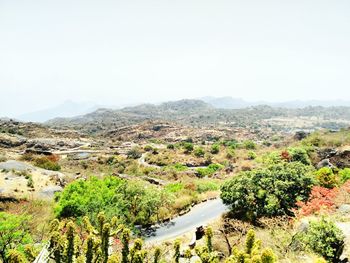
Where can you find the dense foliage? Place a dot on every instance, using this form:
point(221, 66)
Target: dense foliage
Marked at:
point(325, 239)
point(14, 234)
point(134, 202)
point(268, 191)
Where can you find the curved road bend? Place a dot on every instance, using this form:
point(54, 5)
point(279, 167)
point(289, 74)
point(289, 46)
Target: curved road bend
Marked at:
point(200, 214)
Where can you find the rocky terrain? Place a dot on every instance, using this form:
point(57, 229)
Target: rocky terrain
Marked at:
point(196, 113)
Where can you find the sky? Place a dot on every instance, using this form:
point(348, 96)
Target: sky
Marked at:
point(122, 52)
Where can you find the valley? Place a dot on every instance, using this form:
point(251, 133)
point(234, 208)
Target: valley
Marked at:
point(157, 172)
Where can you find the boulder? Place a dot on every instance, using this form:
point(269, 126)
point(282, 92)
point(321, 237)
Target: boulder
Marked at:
point(299, 135)
point(324, 163)
point(15, 165)
point(50, 191)
point(344, 208)
point(9, 141)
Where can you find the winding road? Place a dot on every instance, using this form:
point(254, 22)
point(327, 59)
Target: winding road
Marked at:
point(199, 215)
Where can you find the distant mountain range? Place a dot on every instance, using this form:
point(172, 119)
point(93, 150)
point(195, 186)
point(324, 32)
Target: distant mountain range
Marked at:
point(197, 113)
point(237, 103)
point(71, 109)
point(66, 109)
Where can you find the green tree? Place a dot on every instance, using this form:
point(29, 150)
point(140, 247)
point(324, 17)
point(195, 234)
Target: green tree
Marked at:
point(134, 202)
point(268, 191)
point(14, 234)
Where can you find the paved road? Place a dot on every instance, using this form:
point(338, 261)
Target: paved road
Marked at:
point(199, 215)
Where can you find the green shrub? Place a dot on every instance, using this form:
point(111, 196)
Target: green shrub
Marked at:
point(170, 146)
point(188, 146)
point(249, 145)
point(30, 182)
point(270, 191)
point(134, 153)
point(14, 234)
point(45, 163)
point(134, 202)
point(178, 167)
point(174, 187)
point(325, 239)
point(326, 178)
point(205, 186)
point(215, 148)
point(148, 148)
point(230, 153)
point(344, 175)
point(251, 155)
point(199, 152)
point(208, 171)
point(232, 144)
point(299, 155)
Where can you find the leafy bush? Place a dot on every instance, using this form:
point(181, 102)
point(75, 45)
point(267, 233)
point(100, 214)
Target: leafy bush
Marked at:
point(178, 167)
point(134, 202)
point(188, 146)
point(199, 152)
point(14, 234)
point(46, 163)
point(209, 171)
point(251, 155)
point(249, 145)
point(215, 148)
point(205, 186)
point(134, 153)
point(326, 177)
point(325, 239)
point(320, 199)
point(299, 155)
point(344, 175)
point(230, 153)
point(148, 148)
point(232, 144)
point(267, 192)
point(174, 187)
point(170, 146)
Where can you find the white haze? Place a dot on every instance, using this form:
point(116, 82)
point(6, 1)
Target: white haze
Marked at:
point(122, 52)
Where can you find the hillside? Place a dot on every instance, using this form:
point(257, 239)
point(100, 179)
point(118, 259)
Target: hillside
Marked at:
point(196, 113)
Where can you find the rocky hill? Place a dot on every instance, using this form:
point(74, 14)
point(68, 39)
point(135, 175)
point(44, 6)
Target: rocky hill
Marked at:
point(196, 113)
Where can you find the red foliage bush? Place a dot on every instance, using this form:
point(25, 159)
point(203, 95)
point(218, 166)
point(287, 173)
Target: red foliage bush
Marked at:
point(53, 158)
point(286, 156)
point(320, 199)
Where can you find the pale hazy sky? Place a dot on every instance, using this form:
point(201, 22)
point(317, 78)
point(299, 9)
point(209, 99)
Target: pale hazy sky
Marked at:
point(117, 52)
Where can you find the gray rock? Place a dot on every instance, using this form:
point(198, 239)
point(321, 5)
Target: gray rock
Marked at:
point(325, 163)
point(9, 141)
point(15, 165)
point(50, 191)
point(303, 227)
point(344, 208)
